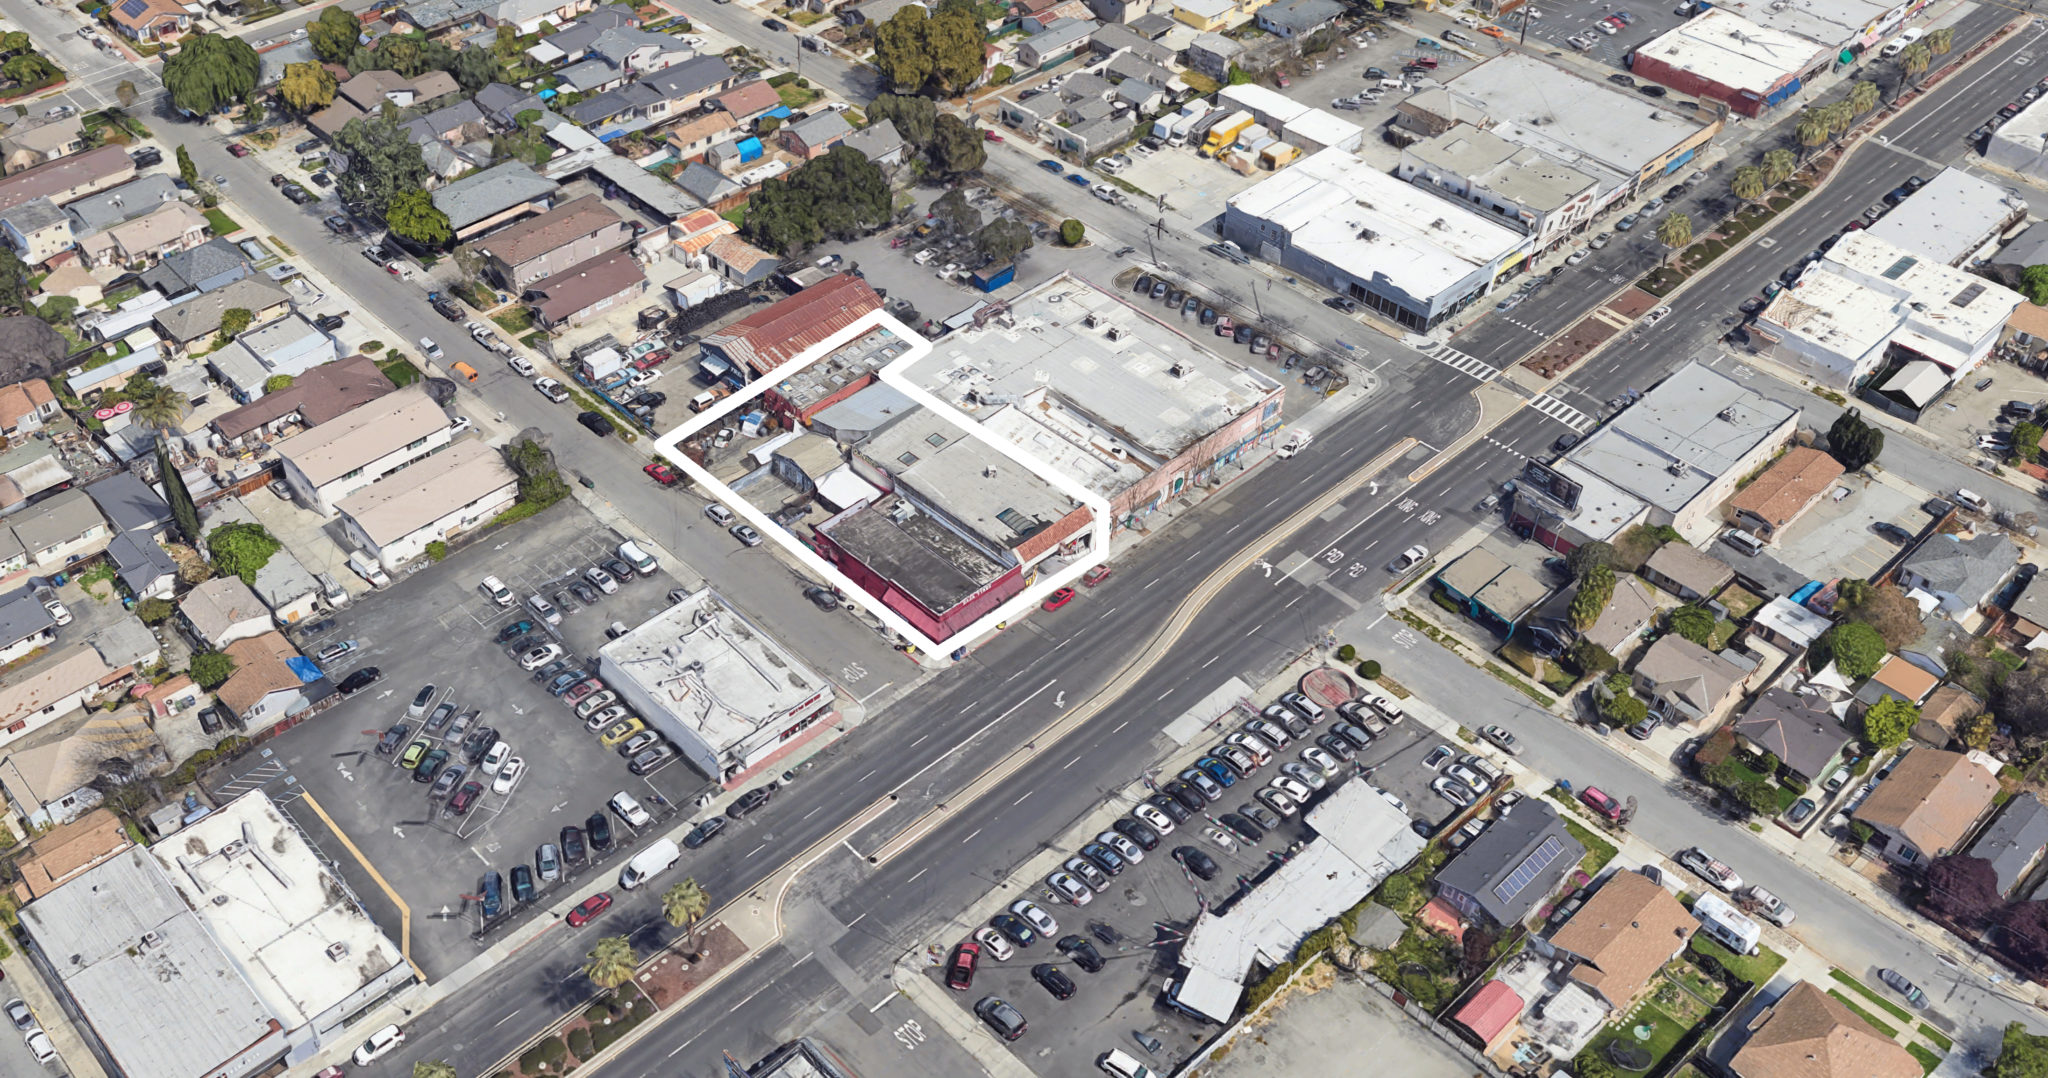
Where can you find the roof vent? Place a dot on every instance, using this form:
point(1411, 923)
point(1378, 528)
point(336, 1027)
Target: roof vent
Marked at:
point(1727, 413)
point(220, 900)
point(151, 939)
point(1676, 467)
point(1178, 370)
point(337, 951)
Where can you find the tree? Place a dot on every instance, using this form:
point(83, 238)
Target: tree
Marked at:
point(1591, 1064)
point(1914, 60)
point(157, 406)
point(1590, 658)
point(412, 214)
point(2034, 283)
point(29, 68)
point(1586, 555)
point(953, 209)
point(957, 148)
point(684, 905)
point(211, 668)
point(1747, 183)
point(433, 1068)
point(2022, 1055)
point(1072, 232)
point(241, 549)
point(183, 510)
point(1863, 96)
point(14, 41)
point(277, 383)
point(1779, 164)
point(187, 171)
point(2026, 441)
point(410, 56)
point(1978, 730)
point(1001, 74)
point(475, 69)
point(234, 320)
point(1596, 587)
point(1853, 442)
point(611, 962)
point(1003, 239)
point(1854, 648)
point(2022, 698)
point(2026, 936)
point(916, 118)
point(335, 35)
point(958, 41)
point(1812, 129)
point(254, 113)
point(14, 277)
point(382, 161)
point(1475, 951)
point(1962, 888)
point(1841, 116)
point(1693, 622)
point(210, 72)
point(842, 195)
point(307, 87)
point(1940, 40)
point(1888, 722)
point(153, 612)
point(942, 53)
point(125, 93)
point(901, 53)
point(1882, 607)
point(1674, 231)
point(1623, 709)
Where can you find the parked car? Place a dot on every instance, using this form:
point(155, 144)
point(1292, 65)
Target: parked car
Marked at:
point(1705, 867)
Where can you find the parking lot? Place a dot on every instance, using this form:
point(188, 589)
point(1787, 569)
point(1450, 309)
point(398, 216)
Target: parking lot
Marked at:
point(1564, 19)
point(440, 630)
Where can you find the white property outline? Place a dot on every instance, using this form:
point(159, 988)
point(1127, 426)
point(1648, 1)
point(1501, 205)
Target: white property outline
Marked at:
point(896, 374)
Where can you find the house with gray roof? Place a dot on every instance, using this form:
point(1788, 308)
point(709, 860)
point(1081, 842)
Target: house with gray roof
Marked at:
point(185, 324)
point(1296, 18)
point(653, 99)
point(1961, 574)
point(216, 263)
point(61, 530)
point(1687, 683)
point(591, 76)
point(1055, 45)
point(1798, 728)
point(876, 11)
point(878, 142)
point(478, 203)
point(2014, 841)
point(1114, 39)
point(436, 17)
point(706, 184)
point(814, 134)
point(130, 504)
point(144, 566)
point(633, 51)
point(502, 104)
point(1212, 54)
point(25, 625)
point(37, 230)
point(1504, 874)
point(569, 43)
point(116, 205)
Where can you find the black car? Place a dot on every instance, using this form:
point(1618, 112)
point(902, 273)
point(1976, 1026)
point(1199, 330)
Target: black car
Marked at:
point(1195, 861)
point(328, 322)
point(1144, 285)
point(1189, 798)
point(748, 802)
point(822, 598)
point(392, 738)
point(516, 629)
point(318, 627)
point(573, 849)
point(1652, 91)
point(584, 592)
point(1242, 828)
point(440, 717)
point(360, 680)
point(1173, 808)
point(566, 679)
point(522, 884)
point(547, 672)
point(430, 766)
point(1007, 1021)
point(619, 570)
point(1892, 532)
point(1058, 984)
point(479, 742)
point(595, 423)
point(1082, 952)
point(704, 832)
point(298, 195)
point(307, 146)
point(493, 895)
point(773, 24)
point(651, 399)
point(1013, 926)
point(1137, 832)
point(1105, 858)
point(599, 830)
point(147, 156)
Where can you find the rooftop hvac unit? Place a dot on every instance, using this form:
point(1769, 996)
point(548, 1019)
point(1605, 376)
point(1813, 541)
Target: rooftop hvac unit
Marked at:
point(1727, 413)
point(1676, 467)
point(337, 951)
point(1178, 370)
point(1116, 333)
point(152, 939)
point(1091, 321)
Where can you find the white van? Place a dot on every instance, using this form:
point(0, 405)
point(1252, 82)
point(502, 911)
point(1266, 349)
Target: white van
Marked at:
point(641, 561)
point(1123, 1065)
point(367, 568)
point(1743, 541)
point(1971, 500)
point(1381, 702)
point(657, 858)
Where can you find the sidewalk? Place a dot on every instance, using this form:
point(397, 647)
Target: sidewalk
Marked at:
point(25, 981)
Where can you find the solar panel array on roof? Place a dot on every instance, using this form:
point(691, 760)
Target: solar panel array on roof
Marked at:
point(1531, 867)
point(134, 8)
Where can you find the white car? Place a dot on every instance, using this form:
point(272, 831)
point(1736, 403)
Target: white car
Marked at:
point(1259, 750)
point(596, 702)
point(1104, 192)
point(544, 609)
point(461, 426)
point(508, 776)
point(600, 720)
point(1304, 774)
point(380, 1042)
point(1322, 760)
point(601, 580)
point(551, 389)
point(1218, 836)
point(477, 331)
point(719, 514)
point(645, 378)
point(994, 945)
point(1278, 801)
point(540, 656)
point(923, 256)
point(1036, 917)
point(519, 366)
point(1125, 847)
point(428, 346)
point(40, 1047)
point(1409, 559)
point(495, 759)
point(1577, 257)
point(1705, 867)
point(950, 269)
point(1153, 818)
point(1391, 799)
point(1066, 886)
point(1292, 787)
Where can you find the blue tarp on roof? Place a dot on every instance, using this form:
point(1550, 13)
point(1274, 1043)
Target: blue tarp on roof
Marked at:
point(750, 149)
point(545, 94)
point(302, 666)
point(780, 112)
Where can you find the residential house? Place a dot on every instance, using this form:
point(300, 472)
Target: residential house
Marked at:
point(66, 850)
point(36, 694)
point(1206, 15)
point(25, 626)
point(58, 531)
point(117, 204)
point(1298, 18)
point(1114, 39)
point(1687, 683)
point(194, 321)
point(2029, 613)
point(573, 232)
point(1140, 83)
point(1786, 625)
point(438, 500)
point(692, 137)
point(223, 610)
point(143, 565)
point(1054, 45)
point(25, 407)
point(634, 52)
point(48, 777)
point(329, 121)
point(496, 196)
point(150, 21)
point(1630, 610)
point(461, 122)
point(876, 11)
point(1810, 1034)
point(653, 99)
point(1944, 713)
point(586, 290)
point(710, 187)
point(1038, 16)
point(283, 585)
point(69, 178)
point(170, 228)
point(1686, 573)
point(130, 505)
point(756, 345)
point(527, 16)
point(1622, 936)
point(502, 104)
point(571, 41)
point(214, 264)
point(1797, 728)
point(28, 145)
point(2013, 842)
point(442, 19)
point(38, 231)
point(72, 280)
point(173, 698)
point(814, 134)
point(879, 142)
point(1897, 679)
point(271, 683)
point(748, 101)
point(1927, 805)
point(742, 264)
point(1212, 54)
point(1500, 877)
point(349, 452)
point(1787, 489)
point(369, 90)
point(323, 393)
point(1960, 574)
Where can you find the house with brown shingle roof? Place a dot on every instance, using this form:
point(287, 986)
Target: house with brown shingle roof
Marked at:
point(1685, 572)
point(586, 289)
point(747, 101)
point(66, 850)
point(1927, 805)
point(1622, 936)
point(1691, 683)
point(575, 231)
point(1784, 493)
point(263, 688)
point(1900, 679)
point(1807, 1034)
point(151, 20)
point(781, 331)
point(25, 407)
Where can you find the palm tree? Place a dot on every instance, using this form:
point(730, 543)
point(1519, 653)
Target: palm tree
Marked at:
point(1812, 129)
point(611, 962)
point(1863, 96)
point(1841, 116)
point(1914, 60)
point(157, 405)
point(685, 903)
point(1779, 165)
point(1747, 184)
point(1940, 40)
point(1674, 231)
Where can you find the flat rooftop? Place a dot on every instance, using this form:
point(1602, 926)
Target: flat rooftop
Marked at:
point(1093, 386)
point(1001, 501)
point(1868, 288)
point(1950, 218)
point(1830, 23)
point(1723, 47)
point(915, 552)
point(1686, 432)
point(842, 367)
point(1348, 213)
point(715, 670)
point(1510, 170)
point(1570, 115)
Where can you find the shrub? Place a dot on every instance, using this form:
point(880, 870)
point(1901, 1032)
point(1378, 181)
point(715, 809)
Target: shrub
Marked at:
point(579, 1044)
point(604, 1037)
point(437, 550)
point(597, 1012)
point(1000, 74)
point(1369, 670)
point(1347, 653)
point(371, 348)
point(1072, 232)
point(642, 1010)
point(154, 611)
point(543, 1056)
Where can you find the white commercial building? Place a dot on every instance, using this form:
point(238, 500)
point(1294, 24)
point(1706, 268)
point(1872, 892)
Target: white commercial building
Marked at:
point(1589, 124)
point(1304, 127)
point(728, 696)
point(1525, 187)
point(1954, 219)
point(362, 446)
point(1869, 308)
point(2021, 143)
point(1722, 56)
point(441, 497)
point(230, 949)
point(1412, 256)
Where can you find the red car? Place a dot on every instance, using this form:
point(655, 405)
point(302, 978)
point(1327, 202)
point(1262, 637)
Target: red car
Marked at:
point(1095, 576)
point(991, 136)
point(464, 798)
point(651, 360)
point(238, 149)
point(960, 971)
point(582, 689)
point(663, 474)
point(589, 909)
point(1596, 799)
point(1059, 598)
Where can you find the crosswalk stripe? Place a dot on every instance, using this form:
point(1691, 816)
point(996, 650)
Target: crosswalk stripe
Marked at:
point(1462, 363)
point(1564, 413)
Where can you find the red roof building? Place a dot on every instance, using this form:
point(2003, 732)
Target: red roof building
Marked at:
point(1491, 1014)
point(782, 331)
